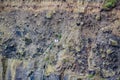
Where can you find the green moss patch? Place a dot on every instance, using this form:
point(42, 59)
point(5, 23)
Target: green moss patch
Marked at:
point(109, 4)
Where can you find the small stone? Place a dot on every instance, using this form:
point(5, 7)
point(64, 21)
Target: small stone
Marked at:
point(80, 9)
point(18, 33)
point(107, 73)
point(56, 40)
point(50, 69)
point(78, 48)
point(103, 55)
point(1, 33)
point(113, 42)
point(49, 15)
point(82, 23)
point(91, 72)
point(89, 40)
point(109, 51)
point(79, 61)
point(98, 17)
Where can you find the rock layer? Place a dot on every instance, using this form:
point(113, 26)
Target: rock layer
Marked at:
point(59, 44)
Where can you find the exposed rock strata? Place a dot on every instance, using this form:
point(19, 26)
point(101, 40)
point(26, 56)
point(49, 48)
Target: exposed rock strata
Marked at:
point(59, 44)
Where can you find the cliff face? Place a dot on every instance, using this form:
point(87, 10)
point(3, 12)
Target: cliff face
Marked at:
point(59, 41)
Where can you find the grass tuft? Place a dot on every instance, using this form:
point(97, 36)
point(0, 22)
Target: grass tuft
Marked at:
point(109, 4)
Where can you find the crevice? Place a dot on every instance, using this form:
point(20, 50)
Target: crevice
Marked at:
point(4, 65)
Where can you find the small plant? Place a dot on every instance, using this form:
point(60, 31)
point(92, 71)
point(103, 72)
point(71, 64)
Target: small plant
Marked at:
point(119, 78)
point(90, 76)
point(59, 36)
point(109, 4)
point(49, 15)
point(28, 41)
point(47, 58)
point(65, 60)
point(51, 45)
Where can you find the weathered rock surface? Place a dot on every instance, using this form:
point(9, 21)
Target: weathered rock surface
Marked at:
point(59, 44)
